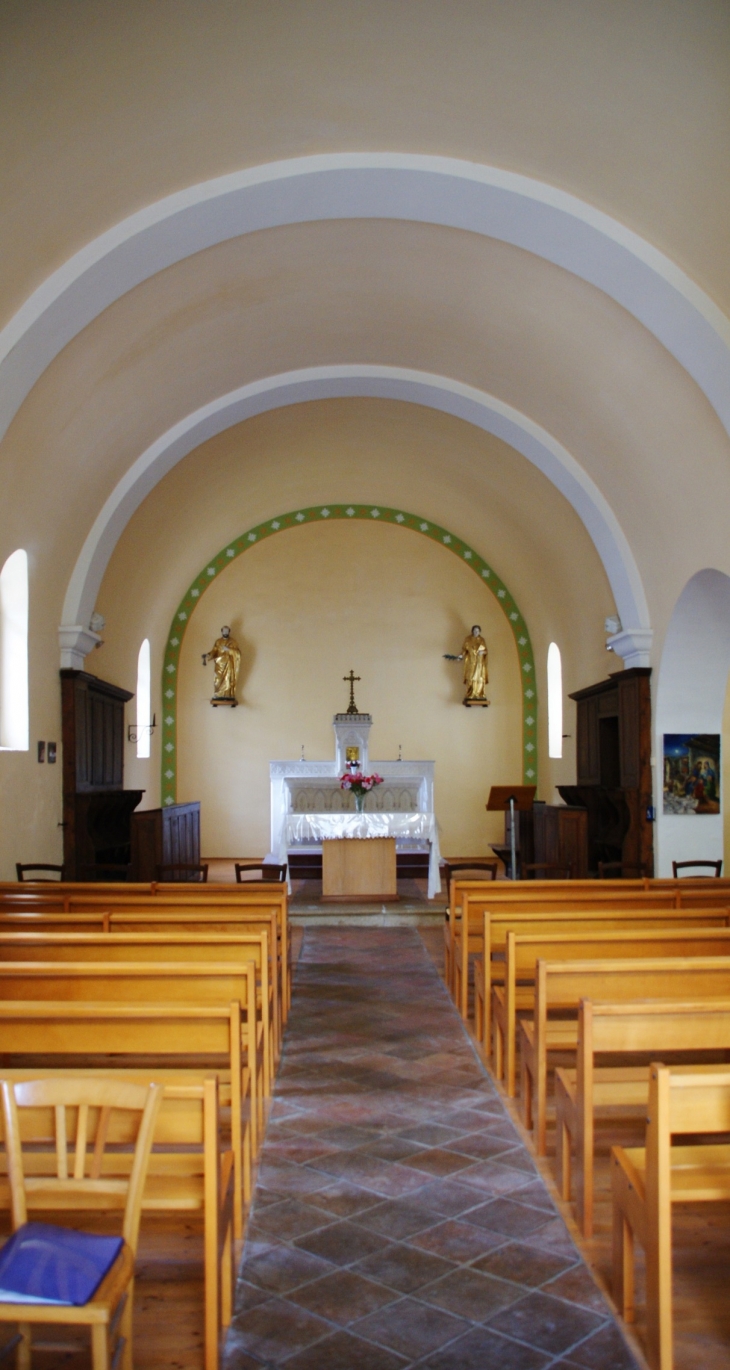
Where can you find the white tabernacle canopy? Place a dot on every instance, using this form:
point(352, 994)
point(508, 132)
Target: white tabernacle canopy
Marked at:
point(308, 807)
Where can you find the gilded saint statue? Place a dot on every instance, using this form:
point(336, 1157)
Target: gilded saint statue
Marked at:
point(226, 657)
point(474, 656)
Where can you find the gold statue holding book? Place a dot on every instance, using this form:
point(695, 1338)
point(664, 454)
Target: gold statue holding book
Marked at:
point(226, 657)
point(476, 676)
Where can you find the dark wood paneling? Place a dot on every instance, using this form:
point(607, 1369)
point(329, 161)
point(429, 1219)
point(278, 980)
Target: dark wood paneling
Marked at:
point(164, 837)
point(588, 752)
point(619, 769)
point(95, 833)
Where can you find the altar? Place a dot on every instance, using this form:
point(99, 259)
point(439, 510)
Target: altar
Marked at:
point(308, 807)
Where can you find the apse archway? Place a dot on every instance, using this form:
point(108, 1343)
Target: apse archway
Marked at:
point(297, 518)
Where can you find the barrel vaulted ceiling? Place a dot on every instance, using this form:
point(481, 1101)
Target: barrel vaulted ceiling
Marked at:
point(511, 212)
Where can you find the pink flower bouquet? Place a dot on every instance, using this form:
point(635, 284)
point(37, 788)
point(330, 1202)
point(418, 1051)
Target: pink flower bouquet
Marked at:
point(360, 785)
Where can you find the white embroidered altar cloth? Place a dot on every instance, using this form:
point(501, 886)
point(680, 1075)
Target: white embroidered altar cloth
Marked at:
point(302, 828)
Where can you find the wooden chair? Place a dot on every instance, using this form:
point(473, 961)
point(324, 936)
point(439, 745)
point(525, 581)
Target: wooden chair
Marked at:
point(165, 987)
point(716, 866)
point(614, 870)
point(620, 1092)
point(269, 871)
point(190, 1169)
point(39, 866)
point(478, 864)
point(558, 871)
point(109, 1313)
point(184, 873)
point(560, 986)
point(647, 1181)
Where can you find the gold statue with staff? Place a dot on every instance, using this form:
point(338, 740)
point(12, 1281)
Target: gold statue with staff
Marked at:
point(226, 657)
point(476, 677)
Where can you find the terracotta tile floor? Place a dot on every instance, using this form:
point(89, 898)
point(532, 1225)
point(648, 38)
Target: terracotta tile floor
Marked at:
point(398, 1220)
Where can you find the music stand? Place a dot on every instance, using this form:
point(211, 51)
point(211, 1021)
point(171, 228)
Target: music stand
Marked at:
point(517, 798)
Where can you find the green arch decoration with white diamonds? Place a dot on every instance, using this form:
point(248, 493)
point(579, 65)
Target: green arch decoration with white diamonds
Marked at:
point(318, 513)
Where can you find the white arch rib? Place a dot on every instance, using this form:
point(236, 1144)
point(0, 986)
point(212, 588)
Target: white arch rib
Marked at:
point(385, 382)
point(441, 190)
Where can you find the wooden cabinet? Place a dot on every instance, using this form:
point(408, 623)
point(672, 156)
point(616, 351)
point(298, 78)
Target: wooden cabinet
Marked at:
point(96, 807)
point(554, 833)
point(164, 837)
point(614, 769)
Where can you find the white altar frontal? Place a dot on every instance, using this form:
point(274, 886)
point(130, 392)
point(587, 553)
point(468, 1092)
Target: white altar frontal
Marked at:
point(308, 807)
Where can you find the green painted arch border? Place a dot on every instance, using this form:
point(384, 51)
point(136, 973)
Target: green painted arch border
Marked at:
point(320, 513)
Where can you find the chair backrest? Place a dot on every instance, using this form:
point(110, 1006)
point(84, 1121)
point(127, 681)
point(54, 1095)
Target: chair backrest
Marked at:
point(91, 1102)
point(270, 873)
point(39, 866)
point(715, 866)
point(559, 870)
point(448, 868)
point(184, 873)
point(614, 870)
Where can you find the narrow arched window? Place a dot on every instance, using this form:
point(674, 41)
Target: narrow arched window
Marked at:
point(555, 701)
point(14, 653)
point(144, 703)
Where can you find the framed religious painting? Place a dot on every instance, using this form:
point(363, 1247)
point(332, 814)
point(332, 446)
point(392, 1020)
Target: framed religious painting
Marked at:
point(691, 773)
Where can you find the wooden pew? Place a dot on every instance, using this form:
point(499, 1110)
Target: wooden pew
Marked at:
point(621, 1090)
point(648, 1181)
point(489, 966)
point(190, 1170)
point(687, 893)
point(203, 900)
point(525, 950)
point(226, 923)
point(101, 896)
point(562, 985)
point(230, 922)
point(158, 946)
point(165, 988)
point(467, 932)
point(52, 920)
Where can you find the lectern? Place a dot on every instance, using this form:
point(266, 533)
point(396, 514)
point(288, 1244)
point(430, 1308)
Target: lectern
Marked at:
point(516, 798)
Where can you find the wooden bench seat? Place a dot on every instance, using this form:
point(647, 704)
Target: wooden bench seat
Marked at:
point(620, 1091)
point(190, 1170)
point(560, 986)
point(209, 903)
point(524, 950)
point(489, 969)
point(648, 1182)
point(198, 1003)
point(458, 947)
point(161, 946)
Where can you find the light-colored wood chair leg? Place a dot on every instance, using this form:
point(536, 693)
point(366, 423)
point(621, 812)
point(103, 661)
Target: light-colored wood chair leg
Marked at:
point(526, 1092)
point(563, 1157)
point(23, 1360)
point(100, 1348)
point(498, 1049)
point(125, 1328)
point(623, 1265)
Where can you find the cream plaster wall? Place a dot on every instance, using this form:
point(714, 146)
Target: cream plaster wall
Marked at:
point(305, 607)
point(106, 107)
point(364, 450)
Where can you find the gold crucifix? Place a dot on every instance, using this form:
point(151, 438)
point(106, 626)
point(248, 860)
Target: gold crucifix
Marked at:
point(350, 680)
